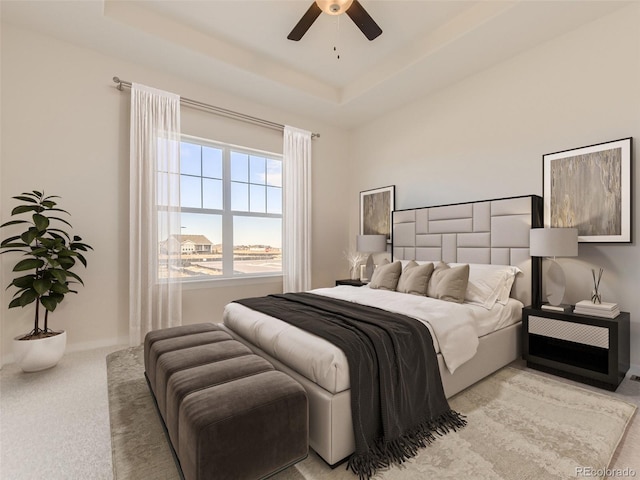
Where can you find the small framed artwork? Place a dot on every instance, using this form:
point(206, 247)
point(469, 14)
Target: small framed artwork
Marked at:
point(589, 188)
point(375, 211)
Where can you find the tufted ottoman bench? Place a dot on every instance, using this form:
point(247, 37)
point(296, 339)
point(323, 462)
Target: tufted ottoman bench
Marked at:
point(228, 413)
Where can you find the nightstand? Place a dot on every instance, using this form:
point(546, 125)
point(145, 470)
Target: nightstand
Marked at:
point(353, 283)
point(592, 350)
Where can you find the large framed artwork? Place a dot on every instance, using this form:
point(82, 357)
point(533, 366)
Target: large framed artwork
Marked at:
point(375, 211)
point(589, 188)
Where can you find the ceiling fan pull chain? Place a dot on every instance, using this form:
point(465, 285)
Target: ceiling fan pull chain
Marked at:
point(335, 47)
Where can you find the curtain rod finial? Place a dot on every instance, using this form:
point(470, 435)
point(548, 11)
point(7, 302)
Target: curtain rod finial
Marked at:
point(117, 80)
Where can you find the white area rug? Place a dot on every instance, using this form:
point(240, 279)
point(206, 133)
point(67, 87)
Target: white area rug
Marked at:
point(521, 426)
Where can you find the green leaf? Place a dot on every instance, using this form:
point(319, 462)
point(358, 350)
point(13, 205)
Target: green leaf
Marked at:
point(29, 296)
point(39, 251)
point(18, 292)
point(48, 204)
point(57, 237)
point(28, 264)
point(41, 222)
point(9, 240)
point(58, 297)
point(41, 285)
point(27, 197)
point(13, 249)
point(61, 220)
point(82, 259)
point(35, 193)
point(13, 222)
point(59, 275)
point(49, 303)
point(48, 242)
point(71, 274)
point(22, 247)
point(25, 208)
point(30, 235)
point(66, 262)
point(14, 303)
point(23, 282)
point(80, 246)
point(59, 288)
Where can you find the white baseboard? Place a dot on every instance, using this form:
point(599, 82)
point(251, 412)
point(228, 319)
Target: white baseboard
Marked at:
point(633, 370)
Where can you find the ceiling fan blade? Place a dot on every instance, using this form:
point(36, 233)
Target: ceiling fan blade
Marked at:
point(305, 22)
point(363, 20)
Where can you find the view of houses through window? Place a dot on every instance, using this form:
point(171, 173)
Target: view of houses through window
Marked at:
point(231, 212)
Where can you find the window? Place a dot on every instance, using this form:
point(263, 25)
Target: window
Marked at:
point(231, 212)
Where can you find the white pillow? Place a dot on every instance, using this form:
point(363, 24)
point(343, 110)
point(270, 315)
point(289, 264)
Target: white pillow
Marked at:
point(489, 284)
point(506, 291)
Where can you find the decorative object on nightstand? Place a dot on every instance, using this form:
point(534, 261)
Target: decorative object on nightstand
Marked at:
point(551, 243)
point(596, 296)
point(602, 309)
point(370, 244)
point(354, 259)
point(587, 348)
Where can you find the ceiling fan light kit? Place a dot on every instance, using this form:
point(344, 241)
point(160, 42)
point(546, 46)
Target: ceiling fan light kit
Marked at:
point(352, 8)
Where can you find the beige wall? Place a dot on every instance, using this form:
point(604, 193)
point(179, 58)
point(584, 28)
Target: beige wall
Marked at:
point(65, 129)
point(481, 138)
point(485, 136)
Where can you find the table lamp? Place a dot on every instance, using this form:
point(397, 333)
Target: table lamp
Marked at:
point(551, 243)
point(370, 244)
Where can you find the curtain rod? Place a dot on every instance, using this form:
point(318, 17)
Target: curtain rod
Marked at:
point(219, 110)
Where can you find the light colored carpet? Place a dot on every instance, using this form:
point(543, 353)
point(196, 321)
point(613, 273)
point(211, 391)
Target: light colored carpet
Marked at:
point(521, 426)
point(54, 424)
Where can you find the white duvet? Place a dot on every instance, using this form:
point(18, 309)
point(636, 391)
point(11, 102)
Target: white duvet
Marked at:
point(455, 329)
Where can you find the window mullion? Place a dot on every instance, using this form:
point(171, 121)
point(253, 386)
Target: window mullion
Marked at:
point(227, 217)
point(201, 177)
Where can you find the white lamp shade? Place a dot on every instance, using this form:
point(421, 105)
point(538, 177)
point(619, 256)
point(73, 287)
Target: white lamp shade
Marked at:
point(371, 243)
point(553, 242)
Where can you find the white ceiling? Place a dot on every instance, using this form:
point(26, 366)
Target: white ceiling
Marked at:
point(240, 46)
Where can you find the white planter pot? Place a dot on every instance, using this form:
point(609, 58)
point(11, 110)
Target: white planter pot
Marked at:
point(39, 354)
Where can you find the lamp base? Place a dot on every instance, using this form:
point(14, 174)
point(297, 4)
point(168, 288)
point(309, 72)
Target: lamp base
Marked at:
point(554, 283)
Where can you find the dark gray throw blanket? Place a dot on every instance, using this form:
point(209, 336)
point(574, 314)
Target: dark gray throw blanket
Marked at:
point(397, 399)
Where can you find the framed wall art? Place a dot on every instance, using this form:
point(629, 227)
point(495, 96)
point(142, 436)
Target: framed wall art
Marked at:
point(589, 188)
point(375, 211)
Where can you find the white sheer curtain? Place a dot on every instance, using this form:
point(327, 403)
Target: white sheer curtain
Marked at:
point(296, 247)
point(155, 292)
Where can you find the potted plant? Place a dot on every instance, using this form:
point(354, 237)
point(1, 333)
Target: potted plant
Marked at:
point(45, 274)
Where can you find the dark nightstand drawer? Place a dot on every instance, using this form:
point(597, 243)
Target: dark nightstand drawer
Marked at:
point(589, 349)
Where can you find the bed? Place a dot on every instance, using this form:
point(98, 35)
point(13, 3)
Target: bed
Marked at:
point(471, 340)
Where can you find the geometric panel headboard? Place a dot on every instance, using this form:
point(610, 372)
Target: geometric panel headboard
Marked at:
point(487, 231)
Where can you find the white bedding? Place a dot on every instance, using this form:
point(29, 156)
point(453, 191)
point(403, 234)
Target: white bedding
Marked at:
point(455, 329)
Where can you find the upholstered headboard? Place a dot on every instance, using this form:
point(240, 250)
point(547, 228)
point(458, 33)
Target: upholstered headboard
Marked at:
point(487, 231)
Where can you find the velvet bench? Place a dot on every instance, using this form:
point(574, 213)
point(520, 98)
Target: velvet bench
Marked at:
point(228, 413)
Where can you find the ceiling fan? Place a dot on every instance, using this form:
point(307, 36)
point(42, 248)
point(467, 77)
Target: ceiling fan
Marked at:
point(356, 12)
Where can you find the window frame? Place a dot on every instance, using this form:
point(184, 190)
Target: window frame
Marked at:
point(227, 215)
